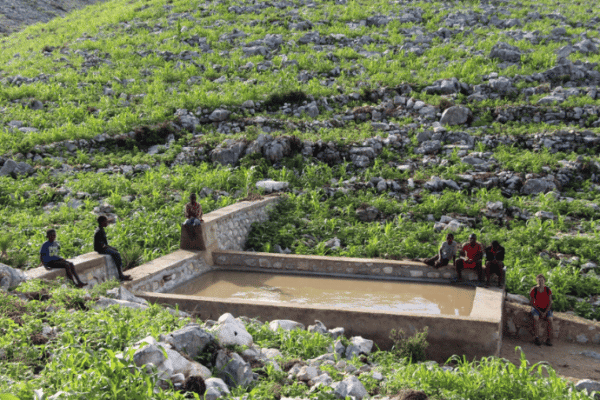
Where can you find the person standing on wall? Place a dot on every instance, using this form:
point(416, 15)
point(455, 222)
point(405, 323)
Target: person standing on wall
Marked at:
point(540, 298)
point(49, 256)
point(101, 246)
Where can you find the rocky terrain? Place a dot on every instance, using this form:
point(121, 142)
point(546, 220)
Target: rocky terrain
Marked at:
point(17, 14)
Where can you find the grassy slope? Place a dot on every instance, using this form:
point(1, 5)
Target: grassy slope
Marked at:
point(75, 108)
point(133, 37)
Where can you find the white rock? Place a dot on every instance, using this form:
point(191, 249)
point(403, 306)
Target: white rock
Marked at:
point(285, 324)
point(104, 302)
point(10, 277)
point(351, 387)
point(517, 298)
point(358, 345)
point(307, 373)
point(231, 331)
point(215, 388)
point(588, 385)
point(270, 185)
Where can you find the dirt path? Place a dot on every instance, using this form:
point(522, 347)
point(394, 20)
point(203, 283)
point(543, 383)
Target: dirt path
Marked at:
point(565, 358)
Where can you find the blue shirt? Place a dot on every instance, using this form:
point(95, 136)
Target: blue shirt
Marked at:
point(49, 252)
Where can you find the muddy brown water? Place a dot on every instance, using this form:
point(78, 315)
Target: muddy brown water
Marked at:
point(332, 292)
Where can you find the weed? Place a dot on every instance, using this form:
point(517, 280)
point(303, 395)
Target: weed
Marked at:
point(410, 347)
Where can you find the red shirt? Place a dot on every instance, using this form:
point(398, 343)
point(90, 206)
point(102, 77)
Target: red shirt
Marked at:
point(541, 299)
point(472, 252)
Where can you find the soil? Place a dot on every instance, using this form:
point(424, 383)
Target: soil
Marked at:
point(565, 358)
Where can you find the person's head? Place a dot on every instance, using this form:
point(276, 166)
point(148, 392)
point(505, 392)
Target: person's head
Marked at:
point(495, 244)
point(193, 198)
point(103, 221)
point(541, 280)
point(51, 235)
point(472, 238)
point(449, 238)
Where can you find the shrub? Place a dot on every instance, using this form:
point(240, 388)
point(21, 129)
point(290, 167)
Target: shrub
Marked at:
point(132, 256)
point(410, 347)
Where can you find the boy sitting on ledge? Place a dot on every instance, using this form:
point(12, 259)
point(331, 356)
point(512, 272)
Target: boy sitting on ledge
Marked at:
point(49, 256)
point(101, 246)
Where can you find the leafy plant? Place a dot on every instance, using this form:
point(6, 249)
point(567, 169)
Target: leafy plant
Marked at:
point(413, 347)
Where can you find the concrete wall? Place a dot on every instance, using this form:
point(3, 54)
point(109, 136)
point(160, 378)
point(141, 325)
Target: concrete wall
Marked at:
point(165, 273)
point(566, 327)
point(92, 268)
point(448, 335)
point(409, 270)
point(227, 228)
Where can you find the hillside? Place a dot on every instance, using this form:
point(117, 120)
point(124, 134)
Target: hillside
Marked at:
point(388, 121)
point(387, 124)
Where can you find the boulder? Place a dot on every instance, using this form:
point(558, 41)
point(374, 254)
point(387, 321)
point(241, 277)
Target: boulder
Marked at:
point(215, 388)
point(349, 387)
point(269, 185)
point(231, 331)
point(517, 298)
point(588, 386)
point(233, 369)
point(317, 327)
point(358, 345)
point(219, 115)
point(368, 214)
point(12, 167)
point(285, 324)
point(121, 293)
point(10, 277)
point(429, 147)
point(228, 153)
point(535, 186)
point(456, 115)
point(324, 379)
point(307, 373)
point(506, 52)
point(190, 340)
point(104, 302)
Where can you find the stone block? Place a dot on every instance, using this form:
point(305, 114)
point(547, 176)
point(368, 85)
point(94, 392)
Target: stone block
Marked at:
point(192, 238)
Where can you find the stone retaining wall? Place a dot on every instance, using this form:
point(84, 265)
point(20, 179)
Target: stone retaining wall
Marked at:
point(227, 228)
point(566, 327)
point(165, 273)
point(335, 265)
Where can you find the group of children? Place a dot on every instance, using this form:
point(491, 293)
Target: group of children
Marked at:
point(471, 258)
point(50, 251)
point(51, 259)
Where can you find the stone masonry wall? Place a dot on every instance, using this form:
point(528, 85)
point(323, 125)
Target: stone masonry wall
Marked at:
point(335, 265)
point(566, 328)
point(227, 228)
point(233, 229)
point(167, 272)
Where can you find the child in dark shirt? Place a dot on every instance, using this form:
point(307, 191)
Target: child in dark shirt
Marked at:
point(49, 256)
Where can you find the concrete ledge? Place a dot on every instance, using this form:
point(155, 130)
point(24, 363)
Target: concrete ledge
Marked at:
point(166, 272)
point(566, 328)
point(414, 270)
point(92, 268)
point(448, 335)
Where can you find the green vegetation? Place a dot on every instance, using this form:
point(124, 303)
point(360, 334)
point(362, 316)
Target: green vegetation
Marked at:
point(86, 357)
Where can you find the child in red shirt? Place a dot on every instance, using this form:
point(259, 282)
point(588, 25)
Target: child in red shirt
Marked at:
point(541, 301)
point(474, 253)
